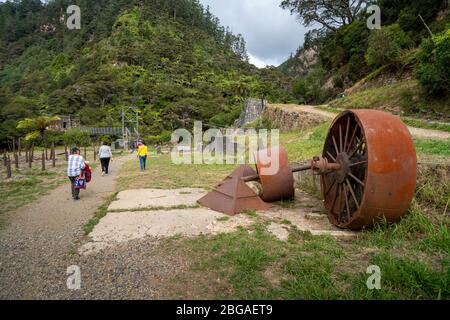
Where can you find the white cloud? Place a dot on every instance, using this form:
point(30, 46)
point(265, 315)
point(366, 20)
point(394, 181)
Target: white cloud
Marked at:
point(271, 33)
point(262, 63)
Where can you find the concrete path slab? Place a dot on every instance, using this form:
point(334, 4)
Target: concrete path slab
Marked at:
point(122, 227)
point(281, 232)
point(126, 226)
point(318, 225)
point(156, 198)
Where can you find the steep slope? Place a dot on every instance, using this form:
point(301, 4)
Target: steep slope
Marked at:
point(169, 58)
point(399, 67)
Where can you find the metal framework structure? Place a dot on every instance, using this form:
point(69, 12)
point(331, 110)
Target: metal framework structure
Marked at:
point(130, 121)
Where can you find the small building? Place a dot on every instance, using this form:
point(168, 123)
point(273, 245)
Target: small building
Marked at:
point(66, 122)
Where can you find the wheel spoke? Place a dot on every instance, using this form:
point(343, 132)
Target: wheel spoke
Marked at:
point(346, 201)
point(335, 146)
point(356, 179)
point(331, 156)
point(340, 138)
point(341, 195)
point(331, 187)
point(352, 139)
point(361, 142)
point(358, 163)
point(346, 134)
point(352, 193)
point(335, 198)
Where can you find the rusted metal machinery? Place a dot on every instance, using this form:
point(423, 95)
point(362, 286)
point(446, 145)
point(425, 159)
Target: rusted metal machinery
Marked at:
point(367, 169)
point(233, 195)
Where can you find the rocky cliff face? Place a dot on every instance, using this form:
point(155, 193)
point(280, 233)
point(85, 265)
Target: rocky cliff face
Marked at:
point(254, 109)
point(301, 63)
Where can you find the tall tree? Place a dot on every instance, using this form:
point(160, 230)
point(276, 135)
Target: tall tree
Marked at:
point(36, 128)
point(330, 14)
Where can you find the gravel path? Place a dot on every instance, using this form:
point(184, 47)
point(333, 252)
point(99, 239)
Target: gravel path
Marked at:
point(39, 242)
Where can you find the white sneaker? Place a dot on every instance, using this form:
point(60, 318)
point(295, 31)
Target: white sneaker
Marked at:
point(103, 173)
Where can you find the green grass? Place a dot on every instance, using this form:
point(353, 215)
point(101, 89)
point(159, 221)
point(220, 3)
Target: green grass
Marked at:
point(304, 145)
point(418, 123)
point(433, 147)
point(251, 213)
point(99, 214)
point(27, 185)
point(386, 97)
point(254, 265)
point(163, 174)
point(404, 98)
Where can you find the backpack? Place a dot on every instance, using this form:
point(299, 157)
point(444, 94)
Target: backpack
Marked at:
point(87, 173)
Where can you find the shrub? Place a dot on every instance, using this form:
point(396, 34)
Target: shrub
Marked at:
point(311, 88)
point(76, 137)
point(433, 71)
point(386, 45)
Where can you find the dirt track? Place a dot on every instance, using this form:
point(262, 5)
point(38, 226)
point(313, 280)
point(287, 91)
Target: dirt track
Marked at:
point(416, 132)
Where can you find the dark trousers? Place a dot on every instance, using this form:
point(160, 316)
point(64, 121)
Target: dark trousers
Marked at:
point(75, 192)
point(105, 164)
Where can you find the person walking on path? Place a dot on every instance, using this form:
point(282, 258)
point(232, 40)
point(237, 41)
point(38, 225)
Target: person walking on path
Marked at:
point(74, 168)
point(132, 146)
point(105, 155)
point(142, 155)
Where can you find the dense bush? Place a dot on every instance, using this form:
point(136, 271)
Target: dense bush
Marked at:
point(405, 13)
point(433, 71)
point(386, 45)
point(76, 137)
point(312, 88)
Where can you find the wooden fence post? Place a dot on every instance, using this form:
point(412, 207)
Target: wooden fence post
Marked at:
point(53, 155)
point(43, 160)
point(14, 145)
point(65, 152)
point(95, 154)
point(16, 160)
point(5, 159)
point(30, 158)
point(8, 168)
point(20, 147)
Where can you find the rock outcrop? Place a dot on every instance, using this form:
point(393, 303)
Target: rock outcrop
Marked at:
point(254, 109)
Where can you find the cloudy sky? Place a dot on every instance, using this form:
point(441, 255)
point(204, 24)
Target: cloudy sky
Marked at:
point(271, 33)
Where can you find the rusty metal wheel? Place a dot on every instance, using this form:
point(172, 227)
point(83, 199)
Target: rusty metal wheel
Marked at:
point(377, 177)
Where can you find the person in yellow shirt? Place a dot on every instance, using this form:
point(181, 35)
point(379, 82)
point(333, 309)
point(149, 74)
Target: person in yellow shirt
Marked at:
point(142, 155)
